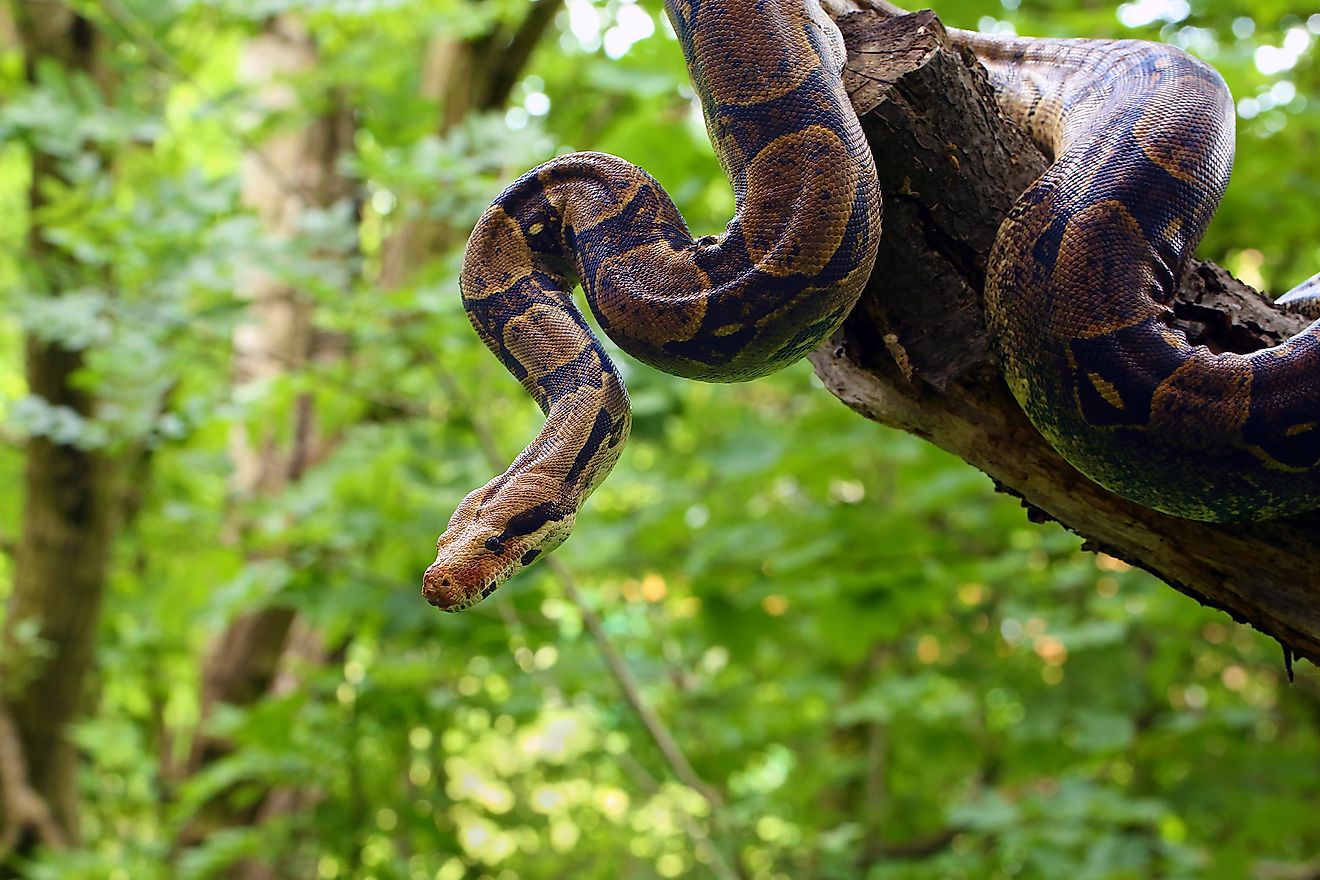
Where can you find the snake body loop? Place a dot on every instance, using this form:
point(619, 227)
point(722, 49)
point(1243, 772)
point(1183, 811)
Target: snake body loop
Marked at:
point(782, 276)
point(1141, 137)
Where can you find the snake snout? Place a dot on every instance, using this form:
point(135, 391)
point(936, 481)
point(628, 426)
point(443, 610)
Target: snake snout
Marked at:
point(447, 591)
point(460, 577)
point(439, 588)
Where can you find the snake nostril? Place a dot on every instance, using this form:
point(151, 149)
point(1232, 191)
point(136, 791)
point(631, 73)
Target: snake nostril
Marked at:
point(436, 581)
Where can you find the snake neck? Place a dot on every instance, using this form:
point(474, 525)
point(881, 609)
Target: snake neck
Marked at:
point(516, 283)
point(529, 510)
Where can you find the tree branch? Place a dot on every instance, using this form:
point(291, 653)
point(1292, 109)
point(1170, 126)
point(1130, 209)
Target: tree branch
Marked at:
point(514, 55)
point(915, 353)
point(24, 809)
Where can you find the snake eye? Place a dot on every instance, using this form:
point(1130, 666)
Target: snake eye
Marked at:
point(494, 544)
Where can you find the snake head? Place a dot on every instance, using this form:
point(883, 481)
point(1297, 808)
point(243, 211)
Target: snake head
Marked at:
point(496, 532)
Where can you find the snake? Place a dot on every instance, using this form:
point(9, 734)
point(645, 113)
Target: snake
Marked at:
point(1080, 279)
point(1140, 142)
point(781, 277)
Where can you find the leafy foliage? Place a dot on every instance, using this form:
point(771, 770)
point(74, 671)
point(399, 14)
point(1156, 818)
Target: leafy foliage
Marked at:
point(884, 670)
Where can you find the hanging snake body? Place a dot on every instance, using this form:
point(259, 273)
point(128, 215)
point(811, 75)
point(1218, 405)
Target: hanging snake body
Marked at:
point(1141, 137)
point(782, 277)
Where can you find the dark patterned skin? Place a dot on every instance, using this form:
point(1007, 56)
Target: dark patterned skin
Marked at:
point(1141, 137)
point(782, 276)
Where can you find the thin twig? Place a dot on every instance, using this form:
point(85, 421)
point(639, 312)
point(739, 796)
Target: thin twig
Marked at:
point(700, 839)
point(619, 669)
point(623, 677)
point(643, 779)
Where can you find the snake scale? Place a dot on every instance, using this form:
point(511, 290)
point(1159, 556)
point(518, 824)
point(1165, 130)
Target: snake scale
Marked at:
point(1141, 141)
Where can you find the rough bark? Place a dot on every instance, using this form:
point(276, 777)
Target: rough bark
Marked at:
point(61, 559)
point(915, 353)
point(464, 77)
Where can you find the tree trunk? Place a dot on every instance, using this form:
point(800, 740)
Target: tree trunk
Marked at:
point(279, 181)
point(8, 31)
point(289, 175)
point(62, 556)
point(915, 352)
point(465, 77)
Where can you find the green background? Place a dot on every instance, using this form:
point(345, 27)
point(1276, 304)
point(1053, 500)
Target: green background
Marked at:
point(880, 666)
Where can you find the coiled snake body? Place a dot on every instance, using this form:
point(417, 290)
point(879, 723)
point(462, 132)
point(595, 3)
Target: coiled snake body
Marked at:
point(1142, 142)
point(1141, 137)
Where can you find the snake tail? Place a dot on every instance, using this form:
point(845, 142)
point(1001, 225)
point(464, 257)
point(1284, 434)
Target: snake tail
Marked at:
point(782, 276)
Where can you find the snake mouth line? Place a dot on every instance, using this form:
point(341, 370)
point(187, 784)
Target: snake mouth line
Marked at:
point(453, 607)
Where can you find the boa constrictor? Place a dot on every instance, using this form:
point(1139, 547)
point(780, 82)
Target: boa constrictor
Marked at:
point(1141, 137)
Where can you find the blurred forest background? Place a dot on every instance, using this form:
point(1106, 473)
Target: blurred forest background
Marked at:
point(240, 399)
